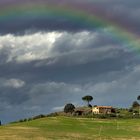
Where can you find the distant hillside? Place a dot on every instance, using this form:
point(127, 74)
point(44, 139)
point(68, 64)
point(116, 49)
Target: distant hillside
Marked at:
point(69, 128)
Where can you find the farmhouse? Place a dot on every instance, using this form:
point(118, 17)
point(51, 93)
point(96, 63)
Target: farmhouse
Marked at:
point(102, 109)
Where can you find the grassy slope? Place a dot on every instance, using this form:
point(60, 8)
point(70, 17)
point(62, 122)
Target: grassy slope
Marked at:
point(61, 128)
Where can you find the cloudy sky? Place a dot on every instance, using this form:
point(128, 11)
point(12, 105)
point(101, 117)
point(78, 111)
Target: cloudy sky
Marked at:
point(55, 52)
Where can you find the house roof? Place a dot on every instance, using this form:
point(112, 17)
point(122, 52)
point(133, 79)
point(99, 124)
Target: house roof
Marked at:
point(106, 107)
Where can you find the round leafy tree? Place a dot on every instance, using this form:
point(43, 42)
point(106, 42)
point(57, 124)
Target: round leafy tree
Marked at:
point(87, 98)
point(69, 108)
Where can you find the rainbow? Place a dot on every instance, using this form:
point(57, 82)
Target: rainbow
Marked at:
point(91, 15)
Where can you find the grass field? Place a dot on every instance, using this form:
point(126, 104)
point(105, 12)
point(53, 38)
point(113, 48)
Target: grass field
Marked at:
point(65, 128)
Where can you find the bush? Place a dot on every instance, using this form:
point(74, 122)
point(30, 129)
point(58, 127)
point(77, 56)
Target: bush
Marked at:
point(25, 120)
point(136, 111)
point(52, 114)
point(130, 110)
point(113, 115)
point(69, 108)
point(21, 120)
point(39, 116)
point(103, 116)
point(30, 119)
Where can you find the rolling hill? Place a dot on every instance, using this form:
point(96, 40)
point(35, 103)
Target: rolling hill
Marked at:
point(69, 128)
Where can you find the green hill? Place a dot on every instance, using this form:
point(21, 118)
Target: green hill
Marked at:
point(69, 128)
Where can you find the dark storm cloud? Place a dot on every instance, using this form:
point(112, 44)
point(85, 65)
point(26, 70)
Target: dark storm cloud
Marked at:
point(123, 13)
point(37, 24)
point(73, 58)
point(61, 71)
point(13, 96)
point(12, 91)
point(69, 57)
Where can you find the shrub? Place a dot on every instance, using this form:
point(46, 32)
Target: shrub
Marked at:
point(130, 110)
point(30, 119)
point(21, 120)
point(69, 108)
point(52, 114)
point(39, 116)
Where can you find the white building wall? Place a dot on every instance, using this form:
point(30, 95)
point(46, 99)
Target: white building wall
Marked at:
point(95, 110)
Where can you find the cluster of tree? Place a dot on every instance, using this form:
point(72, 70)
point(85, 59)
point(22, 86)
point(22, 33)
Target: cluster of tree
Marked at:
point(30, 119)
point(69, 108)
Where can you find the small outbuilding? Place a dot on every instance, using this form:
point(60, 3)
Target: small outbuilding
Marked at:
point(82, 111)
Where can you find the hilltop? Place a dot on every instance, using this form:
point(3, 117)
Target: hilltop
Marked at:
point(68, 128)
